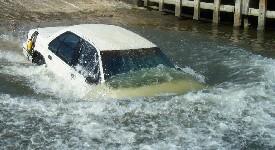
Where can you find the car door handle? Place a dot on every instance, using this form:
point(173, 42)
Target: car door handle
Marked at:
point(50, 57)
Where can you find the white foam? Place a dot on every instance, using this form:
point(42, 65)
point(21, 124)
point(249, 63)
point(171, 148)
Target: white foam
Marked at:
point(43, 81)
point(161, 146)
point(222, 109)
point(192, 72)
point(5, 37)
point(12, 56)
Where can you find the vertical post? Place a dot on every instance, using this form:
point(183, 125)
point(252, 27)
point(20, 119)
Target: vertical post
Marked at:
point(216, 11)
point(238, 13)
point(146, 3)
point(245, 9)
point(245, 6)
point(196, 10)
point(178, 8)
point(262, 14)
point(161, 5)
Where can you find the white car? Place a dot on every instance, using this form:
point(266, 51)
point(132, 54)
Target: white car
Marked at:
point(98, 53)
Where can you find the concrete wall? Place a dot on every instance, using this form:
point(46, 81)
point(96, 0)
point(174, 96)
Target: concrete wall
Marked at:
point(134, 2)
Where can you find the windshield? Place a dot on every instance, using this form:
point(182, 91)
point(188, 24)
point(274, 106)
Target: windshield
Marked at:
point(122, 61)
point(148, 76)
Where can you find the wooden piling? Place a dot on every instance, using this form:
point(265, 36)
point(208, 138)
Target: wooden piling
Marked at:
point(262, 14)
point(216, 11)
point(245, 9)
point(241, 9)
point(178, 8)
point(196, 15)
point(161, 5)
point(238, 13)
point(145, 3)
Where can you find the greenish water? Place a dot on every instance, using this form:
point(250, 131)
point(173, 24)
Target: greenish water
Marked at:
point(38, 110)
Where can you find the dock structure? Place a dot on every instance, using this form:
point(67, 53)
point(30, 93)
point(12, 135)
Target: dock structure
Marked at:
point(241, 9)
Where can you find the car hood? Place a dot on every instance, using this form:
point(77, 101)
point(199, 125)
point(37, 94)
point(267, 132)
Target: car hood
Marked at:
point(158, 81)
point(153, 82)
point(174, 87)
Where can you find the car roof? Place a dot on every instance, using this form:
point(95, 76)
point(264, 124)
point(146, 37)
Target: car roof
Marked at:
point(103, 37)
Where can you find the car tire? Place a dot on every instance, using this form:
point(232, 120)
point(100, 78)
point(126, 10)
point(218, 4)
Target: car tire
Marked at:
point(37, 58)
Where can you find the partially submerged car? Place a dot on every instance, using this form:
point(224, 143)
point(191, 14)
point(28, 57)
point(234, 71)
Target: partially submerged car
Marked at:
point(106, 54)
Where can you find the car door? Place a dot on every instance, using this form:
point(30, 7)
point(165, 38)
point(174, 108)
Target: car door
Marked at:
point(87, 63)
point(74, 58)
point(62, 55)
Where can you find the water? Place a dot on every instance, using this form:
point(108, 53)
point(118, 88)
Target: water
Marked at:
point(236, 110)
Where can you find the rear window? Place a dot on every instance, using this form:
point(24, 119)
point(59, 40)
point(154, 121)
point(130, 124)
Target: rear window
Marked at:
point(122, 61)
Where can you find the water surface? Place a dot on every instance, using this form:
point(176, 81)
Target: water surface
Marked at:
point(236, 111)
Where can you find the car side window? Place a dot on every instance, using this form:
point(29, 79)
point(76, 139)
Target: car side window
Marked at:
point(78, 53)
point(88, 60)
point(66, 47)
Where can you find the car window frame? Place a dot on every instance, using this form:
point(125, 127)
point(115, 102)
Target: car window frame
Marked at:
point(72, 65)
point(56, 51)
point(156, 49)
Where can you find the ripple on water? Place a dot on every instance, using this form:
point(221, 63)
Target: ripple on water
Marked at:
point(231, 115)
point(215, 118)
